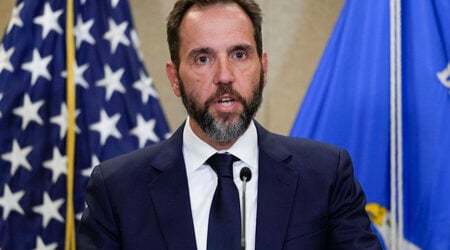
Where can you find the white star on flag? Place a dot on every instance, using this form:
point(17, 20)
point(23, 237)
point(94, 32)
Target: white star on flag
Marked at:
point(107, 126)
point(38, 67)
point(114, 3)
point(111, 81)
point(81, 32)
point(29, 111)
point(5, 59)
point(78, 72)
point(144, 130)
point(49, 210)
point(10, 201)
point(15, 17)
point(136, 44)
point(61, 121)
point(40, 245)
point(58, 165)
point(145, 87)
point(49, 20)
point(116, 35)
point(18, 157)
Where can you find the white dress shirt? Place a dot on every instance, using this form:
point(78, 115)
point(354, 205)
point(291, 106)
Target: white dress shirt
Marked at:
point(202, 180)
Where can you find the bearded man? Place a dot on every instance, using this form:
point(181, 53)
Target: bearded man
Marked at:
point(184, 193)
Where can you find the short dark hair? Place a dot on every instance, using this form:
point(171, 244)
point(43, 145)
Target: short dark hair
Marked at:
point(180, 8)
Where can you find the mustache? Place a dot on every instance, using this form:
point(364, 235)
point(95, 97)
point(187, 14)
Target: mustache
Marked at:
point(224, 89)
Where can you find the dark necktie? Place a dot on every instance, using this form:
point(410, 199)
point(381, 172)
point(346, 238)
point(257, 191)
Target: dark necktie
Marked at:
point(224, 227)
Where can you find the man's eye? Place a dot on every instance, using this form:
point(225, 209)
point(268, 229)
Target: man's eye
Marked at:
point(239, 55)
point(202, 59)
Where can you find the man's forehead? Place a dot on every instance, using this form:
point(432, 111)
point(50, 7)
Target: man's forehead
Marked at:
point(198, 11)
point(216, 28)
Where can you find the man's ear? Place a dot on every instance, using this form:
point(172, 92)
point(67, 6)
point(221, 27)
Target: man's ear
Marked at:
point(172, 75)
point(265, 66)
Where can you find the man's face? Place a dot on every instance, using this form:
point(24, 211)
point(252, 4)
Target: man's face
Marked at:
point(220, 77)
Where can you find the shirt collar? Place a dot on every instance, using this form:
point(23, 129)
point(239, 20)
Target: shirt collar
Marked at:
point(196, 151)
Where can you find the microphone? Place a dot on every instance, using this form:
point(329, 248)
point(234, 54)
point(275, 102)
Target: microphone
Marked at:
point(245, 176)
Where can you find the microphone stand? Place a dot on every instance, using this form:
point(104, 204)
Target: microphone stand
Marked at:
point(245, 176)
point(244, 183)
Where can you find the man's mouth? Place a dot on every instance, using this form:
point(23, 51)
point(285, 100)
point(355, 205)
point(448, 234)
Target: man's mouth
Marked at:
point(226, 102)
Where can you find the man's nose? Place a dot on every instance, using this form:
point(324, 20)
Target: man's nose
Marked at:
point(224, 72)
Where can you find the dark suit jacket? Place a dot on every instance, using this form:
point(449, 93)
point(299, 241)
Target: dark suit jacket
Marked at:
point(307, 198)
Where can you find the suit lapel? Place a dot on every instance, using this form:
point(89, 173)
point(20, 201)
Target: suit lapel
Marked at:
point(276, 191)
point(170, 195)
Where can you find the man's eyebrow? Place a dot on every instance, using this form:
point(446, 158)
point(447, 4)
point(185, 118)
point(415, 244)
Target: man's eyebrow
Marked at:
point(244, 47)
point(203, 50)
point(208, 50)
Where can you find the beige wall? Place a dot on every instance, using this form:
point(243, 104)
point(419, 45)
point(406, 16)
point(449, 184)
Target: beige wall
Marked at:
point(295, 34)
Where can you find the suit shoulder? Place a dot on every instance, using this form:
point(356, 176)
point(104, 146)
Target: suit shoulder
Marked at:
point(134, 163)
point(299, 145)
point(306, 153)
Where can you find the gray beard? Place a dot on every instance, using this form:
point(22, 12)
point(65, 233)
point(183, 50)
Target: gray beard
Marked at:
point(221, 129)
point(224, 133)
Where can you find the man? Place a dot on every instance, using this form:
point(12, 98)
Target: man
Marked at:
point(302, 194)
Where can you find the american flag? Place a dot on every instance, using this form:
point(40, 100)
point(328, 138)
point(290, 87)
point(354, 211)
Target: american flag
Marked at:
point(117, 110)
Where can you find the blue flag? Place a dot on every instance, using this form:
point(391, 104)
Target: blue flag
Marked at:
point(117, 110)
point(349, 104)
point(426, 122)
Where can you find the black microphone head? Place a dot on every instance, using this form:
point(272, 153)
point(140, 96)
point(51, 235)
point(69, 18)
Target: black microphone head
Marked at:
point(245, 172)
